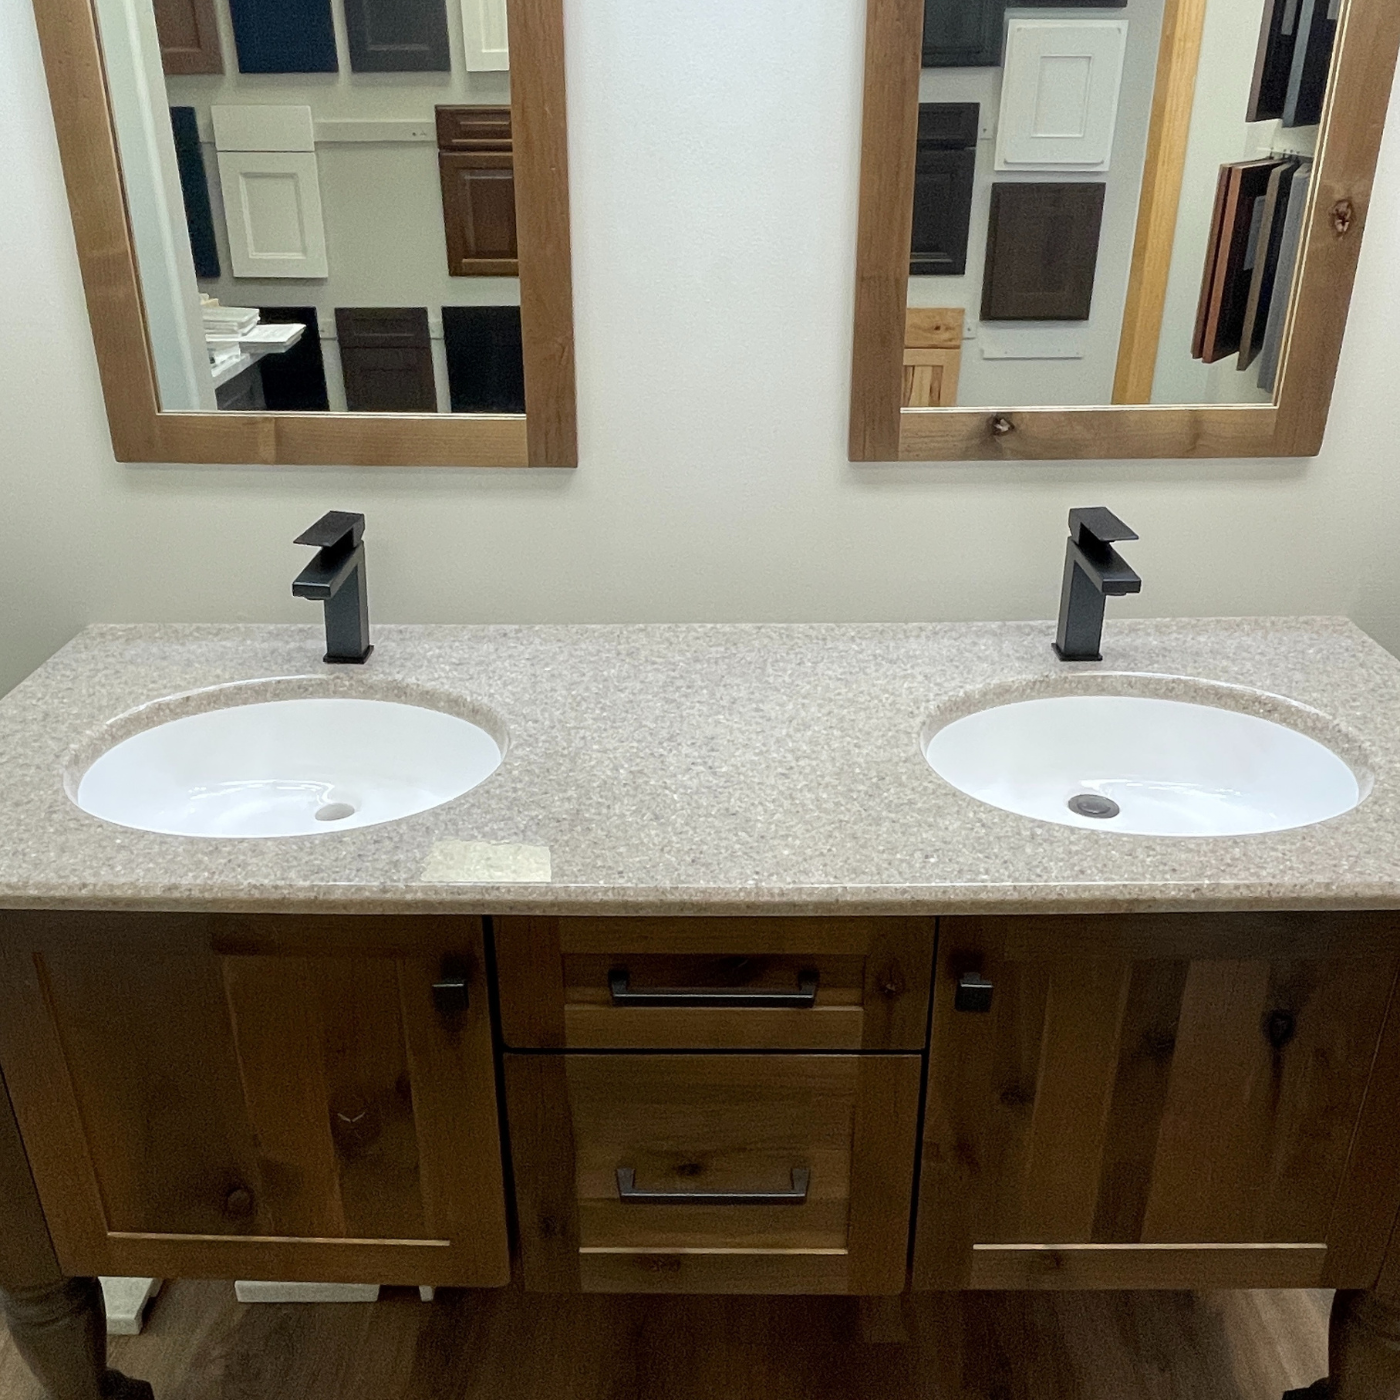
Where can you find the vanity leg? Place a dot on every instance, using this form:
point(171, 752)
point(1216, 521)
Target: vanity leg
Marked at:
point(61, 1332)
point(1364, 1346)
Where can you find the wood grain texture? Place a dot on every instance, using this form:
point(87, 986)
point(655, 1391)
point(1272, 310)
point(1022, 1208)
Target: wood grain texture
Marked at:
point(189, 36)
point(880, 431)
point(1147, 1266)
point(1121, 1096)
point(142, 433)
point(1178, 57)
point(27, 1258)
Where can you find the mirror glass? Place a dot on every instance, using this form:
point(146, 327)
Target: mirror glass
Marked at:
point(1031, 282)
point(321, 195)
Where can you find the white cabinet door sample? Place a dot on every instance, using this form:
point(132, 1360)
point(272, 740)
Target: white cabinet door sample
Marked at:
point(272, 203)
point(1059, 94)
point(484, 36)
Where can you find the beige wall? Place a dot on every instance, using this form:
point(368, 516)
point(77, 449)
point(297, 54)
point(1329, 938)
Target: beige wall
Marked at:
point(714, 150)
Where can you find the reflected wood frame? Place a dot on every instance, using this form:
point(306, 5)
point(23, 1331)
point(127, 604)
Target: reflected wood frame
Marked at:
point(544, 436)
point(881, 431)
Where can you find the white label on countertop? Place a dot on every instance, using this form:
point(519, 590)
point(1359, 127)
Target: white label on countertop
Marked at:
point(486, 863)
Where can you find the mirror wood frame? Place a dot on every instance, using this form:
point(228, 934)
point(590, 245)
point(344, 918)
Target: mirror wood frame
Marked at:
point(1368, 37)
point(544, 436)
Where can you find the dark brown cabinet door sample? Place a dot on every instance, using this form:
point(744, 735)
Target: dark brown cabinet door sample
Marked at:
point(1312, 62)
point(1042, 252)
point(943, 173)
point(963, 33)
point(274, 1097)
point(295, 380)
point(1193, 1082)
point(485, 360)
point(189, 36)
point(477, 167)
point(386, 359)
point(397, 36)
point(1278, 36)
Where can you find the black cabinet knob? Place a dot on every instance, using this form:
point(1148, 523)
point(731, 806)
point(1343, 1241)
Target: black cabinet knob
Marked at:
point(974, 993)
point(238, 1203)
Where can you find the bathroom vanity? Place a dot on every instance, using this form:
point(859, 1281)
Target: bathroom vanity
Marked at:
point(749, 998)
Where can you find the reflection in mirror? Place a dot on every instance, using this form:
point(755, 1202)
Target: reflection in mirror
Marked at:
point(1043, 268)
point(321, 198)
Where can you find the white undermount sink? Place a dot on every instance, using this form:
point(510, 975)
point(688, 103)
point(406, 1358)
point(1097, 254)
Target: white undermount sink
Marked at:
point(1142, 765)
point(301, 766)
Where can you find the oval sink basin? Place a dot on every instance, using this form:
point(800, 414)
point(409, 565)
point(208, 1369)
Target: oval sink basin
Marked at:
point(1142, 766)
point(297, 767)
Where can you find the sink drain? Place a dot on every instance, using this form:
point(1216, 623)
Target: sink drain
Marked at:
point(335, 812)
point(1091, 804)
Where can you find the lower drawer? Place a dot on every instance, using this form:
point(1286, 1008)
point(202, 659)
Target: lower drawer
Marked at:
point(713, 1173)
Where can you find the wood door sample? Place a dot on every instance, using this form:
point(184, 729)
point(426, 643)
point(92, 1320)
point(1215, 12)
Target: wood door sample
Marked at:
point(194, 188)
point(1042, 251)
point(1229, 265)
point(477, 167)
point(869, 982)
point(189, 36)
point(1273, 63)
point(932, 356)
point(485, 36)
point(295, 380)
point(1154, 1101)
point(398, 36)
point(594, 1135)
point(485, 358)
point(272, 210)
point(275, 1097)
point(963, 33)
point(1271, 224)
point(386, 359)
point(1312, 62)
point(944, 165)
point(284, 36)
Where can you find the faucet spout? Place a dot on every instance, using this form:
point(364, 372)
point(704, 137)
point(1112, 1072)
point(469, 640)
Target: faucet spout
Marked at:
point(1094, 570)
point(336, 577)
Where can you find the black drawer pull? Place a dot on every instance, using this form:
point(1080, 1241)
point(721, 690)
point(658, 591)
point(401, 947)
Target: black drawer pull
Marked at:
point(804, 998)
point(628, 1194)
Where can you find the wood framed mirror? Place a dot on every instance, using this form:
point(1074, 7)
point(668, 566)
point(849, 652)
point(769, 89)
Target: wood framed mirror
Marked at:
point(380, 186)
point(1112, 228)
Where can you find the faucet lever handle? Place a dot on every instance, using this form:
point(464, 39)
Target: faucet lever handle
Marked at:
point(336, 527)
point(1099, 525)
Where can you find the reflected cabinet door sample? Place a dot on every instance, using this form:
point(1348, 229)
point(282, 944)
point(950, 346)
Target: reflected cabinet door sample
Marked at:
point(1042, 252)
point(485, 363)
point(477, 167)
point(933, 339)
point(272, 202)
point(1312, 61)
point(963, 33)
point(284, 36)
point(1278, 37)
point(194, 186)
point(398, 36)
point(386, 358)
point(485, 36)
point(943, 173)
point(295, 380)
point(189, 36)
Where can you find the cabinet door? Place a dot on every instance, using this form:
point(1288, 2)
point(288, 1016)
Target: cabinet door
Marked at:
point(194, 188)
point(1159, 1101)
point(397, 36)
point(295, 380)
point(272, 206)
point(942, 212)
point(1042, 252)
point(284, 36)
point(279, 1098)
point(386, 358)
point(932, 356)
point(963, 33)
point(485, 358)
point(478, 211)
point(713, 1173)
point(484, 32)
point(189, 36)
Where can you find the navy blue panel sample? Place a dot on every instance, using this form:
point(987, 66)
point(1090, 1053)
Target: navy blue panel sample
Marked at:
point(485, 362)
point(398, 36)
point(284, 36)
point(295, 380)
point(194, 185)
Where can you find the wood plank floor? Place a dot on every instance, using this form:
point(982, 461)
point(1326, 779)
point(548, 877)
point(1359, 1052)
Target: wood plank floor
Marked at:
point(200, 1344)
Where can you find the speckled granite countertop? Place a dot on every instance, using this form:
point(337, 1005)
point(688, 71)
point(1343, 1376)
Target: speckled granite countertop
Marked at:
point(706, 769)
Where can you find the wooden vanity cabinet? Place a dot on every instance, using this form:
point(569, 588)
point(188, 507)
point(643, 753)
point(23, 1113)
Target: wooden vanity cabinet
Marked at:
point(1203, 1101)
point(258, 1097)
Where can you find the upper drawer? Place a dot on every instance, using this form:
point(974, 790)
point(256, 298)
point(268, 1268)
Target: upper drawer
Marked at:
point(728, 984)
point(473, 128)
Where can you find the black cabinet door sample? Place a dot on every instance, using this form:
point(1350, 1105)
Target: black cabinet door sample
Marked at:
point(485, 363)
point(284, 36)
point(1312, 62)
point(295, 380)
point(1278, 36)
point(194, 185)
point(386, 359)
point(397, 36)
point(1042, 251)
point(963, 33)
point(943, 171)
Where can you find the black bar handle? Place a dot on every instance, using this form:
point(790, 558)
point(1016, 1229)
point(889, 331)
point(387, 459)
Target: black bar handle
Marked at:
point(628, 1193)
point(803, 999)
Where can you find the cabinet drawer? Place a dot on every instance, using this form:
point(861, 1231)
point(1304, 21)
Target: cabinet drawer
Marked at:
point(723, 984)
point(705, 1173)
